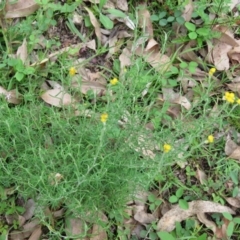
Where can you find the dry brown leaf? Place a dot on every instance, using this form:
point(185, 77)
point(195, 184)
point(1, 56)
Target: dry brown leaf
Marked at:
point(57, 98)
point(21, 8)
point(121, 4)
point(125, 58)
point(234, 55)
point(98, 232)
point(142, 216)
point(177, 214)
point(188, 10)
point(29, 227)
point(36, 235)
point(30, 208)
point(95, 24)
point(22, 52)
point(201, 175)
point(220, 55)
point(75, 228)
point(188, 53)
point(86, 86)
point(234, 201)
point(12, 96)
point(232, 150)
point(209, 224)
point(144, 20)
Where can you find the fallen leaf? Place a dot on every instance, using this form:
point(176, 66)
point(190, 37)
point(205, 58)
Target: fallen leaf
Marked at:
point(177, 214)
point(144, 20)
point(75, 228)
point(95, 24)
point(188, 10)
point(121, 4)
point(232, 150)
point(21, 8)
point(125, 58)
point(36, 234)
point(30, 208)
point(22, 52)
point(201, 175)
point(234, 201)
point(86, 86)
point(142, 216)
point(12, 96)
point(57, 98)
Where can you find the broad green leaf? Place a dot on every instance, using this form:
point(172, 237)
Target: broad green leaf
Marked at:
point(163, 22)
point(170, 19)
point(203, 31)
point(228, 216)
point(165, 236)
point(19, 76)
point(183, 204)
point(117, 13)
point(230, 229)
point(102, 3)
point(173, 199)
point(162, 14)
point(154, 18)
point(180, 20)
point(236, 220)
point(190, 26)
point(179, 192)
point(183, 65)
point(192, 35)
point(106, 21)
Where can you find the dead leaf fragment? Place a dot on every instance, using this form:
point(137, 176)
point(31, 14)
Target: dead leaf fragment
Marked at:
point(121, 4)
point(232, 150)
point(75, 227)
point(36, 234)
point(145, 21)
point(188, 10)
point(57, 98)
point(21, 8)
point(30, 208)
point(177, 214)
point(22, 51)
point(95, 24)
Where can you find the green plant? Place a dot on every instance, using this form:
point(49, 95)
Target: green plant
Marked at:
point(164, 18)
point(154, 202)
point(177, 199)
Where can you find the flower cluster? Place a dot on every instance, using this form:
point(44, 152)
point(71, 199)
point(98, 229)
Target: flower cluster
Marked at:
point(212, 71)
point(104, 117)
point(229, 97)
point(72, 71)
point(114, 81)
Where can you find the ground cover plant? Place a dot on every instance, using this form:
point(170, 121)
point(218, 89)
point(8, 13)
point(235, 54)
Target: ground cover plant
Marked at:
point(119, 119)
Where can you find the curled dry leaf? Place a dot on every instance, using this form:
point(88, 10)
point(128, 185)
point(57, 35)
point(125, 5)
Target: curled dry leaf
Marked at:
point(21, 8)
point(95, 24)
point(177, 214)
point(188, 10)
point(209, 224)
point(29, 227)
point(234, 55)
point(57, 98)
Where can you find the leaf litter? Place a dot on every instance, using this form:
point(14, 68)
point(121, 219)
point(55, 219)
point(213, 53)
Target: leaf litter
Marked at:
point(222, 52)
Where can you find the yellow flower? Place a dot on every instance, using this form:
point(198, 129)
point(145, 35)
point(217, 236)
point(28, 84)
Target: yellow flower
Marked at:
point(114, 81)
point(229, 97)
point(166, 148)
point(238, 101)
point(72, 71)
point(212, 71)
point(210, 139)
point(104, 117)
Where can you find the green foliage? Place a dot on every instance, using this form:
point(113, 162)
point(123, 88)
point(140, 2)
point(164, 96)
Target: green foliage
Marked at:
point(164, 18)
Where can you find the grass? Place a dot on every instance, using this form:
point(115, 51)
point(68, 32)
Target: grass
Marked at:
point(90, 164)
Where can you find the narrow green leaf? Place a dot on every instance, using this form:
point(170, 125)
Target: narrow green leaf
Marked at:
point(190, 26)
point(117, 13)
point(230, 229)
point(165, 236)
